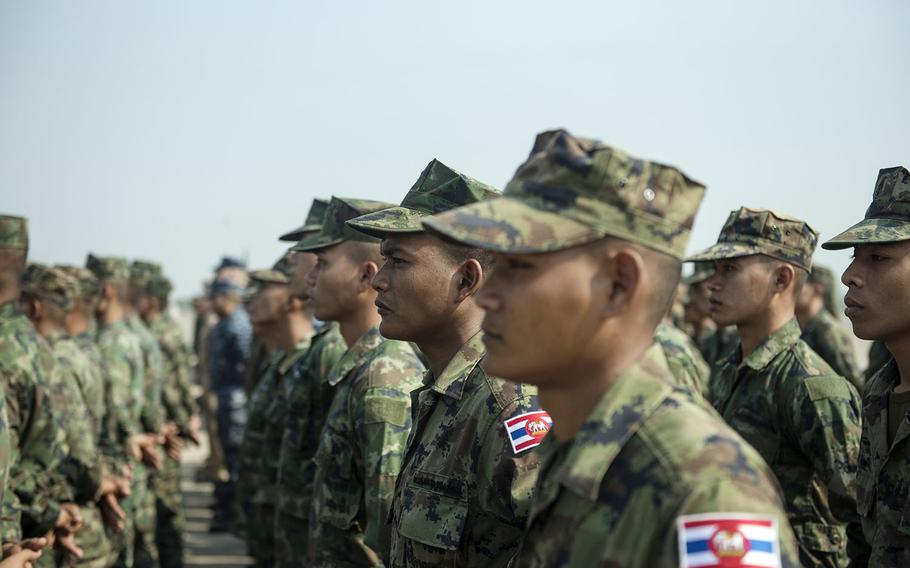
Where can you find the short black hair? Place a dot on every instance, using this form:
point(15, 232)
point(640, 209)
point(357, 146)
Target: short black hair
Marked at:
point(459, 253)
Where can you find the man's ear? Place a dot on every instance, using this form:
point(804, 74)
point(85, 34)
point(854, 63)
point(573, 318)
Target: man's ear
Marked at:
point(294, 304)
point(783, 276)
point(623, 271)
point(32, 308)
point(107, 290)
point(467, 279)
point(367, 271)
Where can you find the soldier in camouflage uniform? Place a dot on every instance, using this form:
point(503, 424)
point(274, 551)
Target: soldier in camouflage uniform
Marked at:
point(878, 306)
point(179, 409)
point(712, 342)
point(683, 357)
point(39, 501)
point(124, 376)
point(48, 295)
point(821, 326)
point(464, 490)
point(774, 390)
point(306, 397)
point(635, 472)
point(366, 429)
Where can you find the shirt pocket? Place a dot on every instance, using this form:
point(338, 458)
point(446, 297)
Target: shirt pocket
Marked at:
point(435, 509)
point(755, 429)
point(338, 498)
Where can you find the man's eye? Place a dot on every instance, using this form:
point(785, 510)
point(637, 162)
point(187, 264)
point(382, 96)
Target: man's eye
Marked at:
point(877, 258)
point(518, 264)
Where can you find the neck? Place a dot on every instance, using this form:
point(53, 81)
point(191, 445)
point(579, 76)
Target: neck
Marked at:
point(440, 346)
point(900, 349)
point(78, 323)
point(809, 311)
point(112, 314)
point(150, 317)
point(8, 294)
point(753, 333)
point(47, 328)
point(297, 327)
point(570, 404)
point(358, 322)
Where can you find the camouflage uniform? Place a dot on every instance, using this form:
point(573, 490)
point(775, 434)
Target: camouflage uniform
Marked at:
point(883, 477)
point(827, 337)
point(463, 494)
point(686, 363)
point(715, 343)
point(307, 397)
point(789, 404)
point(649, 460)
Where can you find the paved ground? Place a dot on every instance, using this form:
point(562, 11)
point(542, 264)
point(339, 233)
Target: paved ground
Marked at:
point(205, 548)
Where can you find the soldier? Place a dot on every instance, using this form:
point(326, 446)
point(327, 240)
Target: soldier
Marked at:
point(180, 416)
point(48, 295)
point(686, 363)
point(306, 397)
point(257, 460)
point(460, 460)
point(774, 390)
point(635, 471)
point(228, 354)
point(367, 425)
point(39, 502)
point(124, 377)
point(821, 328)
point(878, 306)
point(712, 342)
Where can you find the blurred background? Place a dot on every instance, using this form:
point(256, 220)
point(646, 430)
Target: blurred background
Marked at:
point(180, 131)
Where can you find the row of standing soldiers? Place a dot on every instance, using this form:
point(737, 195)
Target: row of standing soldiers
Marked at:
point(96, 409)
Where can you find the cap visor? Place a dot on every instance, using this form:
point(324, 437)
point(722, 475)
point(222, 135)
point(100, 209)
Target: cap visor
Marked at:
point(509, 225)
point(870, 231)
point(315, 243)
point(393, 220)
point(720, 251)
point(299, 233)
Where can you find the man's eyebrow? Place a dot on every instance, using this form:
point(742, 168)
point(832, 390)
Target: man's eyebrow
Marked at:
point(387, 250)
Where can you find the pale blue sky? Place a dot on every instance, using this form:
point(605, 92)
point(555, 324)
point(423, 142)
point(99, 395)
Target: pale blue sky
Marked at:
point(179, 131)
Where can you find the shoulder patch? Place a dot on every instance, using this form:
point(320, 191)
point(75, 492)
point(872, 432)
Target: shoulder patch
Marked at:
point(728, 540)
point(828, 386)
point(527, 430)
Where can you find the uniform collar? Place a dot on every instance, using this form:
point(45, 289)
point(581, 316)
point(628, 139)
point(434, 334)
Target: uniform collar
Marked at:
point(55, 336)
point(451, 381)
point(299, 350)
point(776, 343)
point(9, 310)
point(354, 355)
point(618, 415)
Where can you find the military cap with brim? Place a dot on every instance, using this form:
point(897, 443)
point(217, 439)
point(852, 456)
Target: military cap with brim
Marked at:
point(159, 286)
point(887, 219)
point(89, 288)
point(50, 284)
point(439, 188)
point(312, 223)
point(701, 272)
point(230, 262)
point(223, 286)
point(268, 276)
point(334, 227)
point(108, 267)
point(571, 191)
point(761, 231)
point(142, 270)
point(13, 232)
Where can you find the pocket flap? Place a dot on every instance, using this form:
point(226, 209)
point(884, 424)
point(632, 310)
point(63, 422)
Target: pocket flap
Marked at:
point(821, 537)
point(432, 519)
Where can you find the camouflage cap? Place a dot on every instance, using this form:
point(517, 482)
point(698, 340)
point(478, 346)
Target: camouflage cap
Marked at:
point(312, 223)
point(89, 288)
point(334, 229)
point(13, 232)
point(268, 276)
point(887, 219)
point(572, 191)
point(762, 231)
point(141, 272)
point(224, 286)
point(50, 284)
point(823, 276)
point(108, 267)
point(159, 286)
point(439, 188)
point(701, 272)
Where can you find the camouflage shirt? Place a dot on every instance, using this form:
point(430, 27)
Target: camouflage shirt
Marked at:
point(176, 394)
point(93, 387)
point(463, 495)
point(883, 479)
point(360, 451)
point(153, 375)
point(804, 420)
point(648, 459)
point(827, 337)
point(253, 451)
point(686, 363)
point(714, 344)
point(38, 447)
point(124, 388)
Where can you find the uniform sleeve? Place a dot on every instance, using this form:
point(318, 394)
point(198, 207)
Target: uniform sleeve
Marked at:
point(119, 424)
point(82, 467)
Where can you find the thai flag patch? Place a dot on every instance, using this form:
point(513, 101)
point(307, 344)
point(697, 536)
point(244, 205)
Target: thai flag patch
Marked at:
point(728, 540)
point(528, 430)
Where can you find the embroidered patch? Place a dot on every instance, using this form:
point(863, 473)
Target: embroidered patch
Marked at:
point(528, 430)
point(728, 540)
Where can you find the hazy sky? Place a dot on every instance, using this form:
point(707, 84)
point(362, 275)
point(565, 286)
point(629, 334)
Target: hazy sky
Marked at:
point(179, 131)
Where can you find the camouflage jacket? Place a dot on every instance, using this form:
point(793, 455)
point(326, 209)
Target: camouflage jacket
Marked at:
point(176, 394)
point(714, 344)
point(153, 375)
point(827, 337)
point(6, 451)
point(38, 446)
point(93, 387)
point(648, 461)
point(883, 479)
point(804, 420)
point(686, 363)
point(83, 464)
point(307, 397)
point(463, 495)
point(360, 451)
point(124, 389)
point(253, 452)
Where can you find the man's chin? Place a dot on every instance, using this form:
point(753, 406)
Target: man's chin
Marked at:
point(389, 329)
